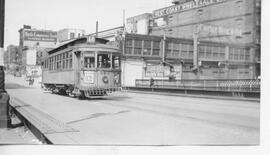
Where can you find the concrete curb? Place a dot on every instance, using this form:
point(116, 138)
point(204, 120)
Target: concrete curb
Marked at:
point(196, 96)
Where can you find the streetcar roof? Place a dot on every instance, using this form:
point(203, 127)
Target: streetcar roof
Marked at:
point(75, 42)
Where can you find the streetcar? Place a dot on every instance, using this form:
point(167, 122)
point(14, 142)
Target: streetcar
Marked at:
point(86, 67)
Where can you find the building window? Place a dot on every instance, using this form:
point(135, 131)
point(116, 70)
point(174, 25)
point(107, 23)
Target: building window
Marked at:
point(201, 50)
point(176, 50)
point(169, 49)
point(147, 47)
point(184, 50)
point(156, 48)
point(208, 51)
point(137, 47)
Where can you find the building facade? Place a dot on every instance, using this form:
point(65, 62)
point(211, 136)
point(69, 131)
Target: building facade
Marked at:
point(33, 45)
point(209, 39)
point(68, 34)
point(224, 21)
point(37, 38)
point(139, 24)
point(156, 57)
point(13, 55)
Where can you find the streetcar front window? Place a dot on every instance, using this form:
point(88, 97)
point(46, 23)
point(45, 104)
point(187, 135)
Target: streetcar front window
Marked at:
point(89, 62)
point(116, 61)
point(104, 61)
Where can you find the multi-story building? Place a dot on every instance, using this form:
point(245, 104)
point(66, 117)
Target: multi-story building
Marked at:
point(33, 42)
point(212, 38)
point(13, 55)
point(37, 38)
point(138, 24)
point(68, 34)
point(224, 21)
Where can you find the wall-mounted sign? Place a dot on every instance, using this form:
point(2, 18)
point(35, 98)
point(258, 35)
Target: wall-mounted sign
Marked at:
point(219, 30)
point(88, 77)
point(39, 35)
point(184, 6)
point(162, 71)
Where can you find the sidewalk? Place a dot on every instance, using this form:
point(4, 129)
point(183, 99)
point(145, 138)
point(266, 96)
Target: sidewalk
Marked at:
point(18, 135)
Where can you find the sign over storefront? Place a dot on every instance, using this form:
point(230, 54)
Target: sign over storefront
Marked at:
point(182, 7)
point(39, 35)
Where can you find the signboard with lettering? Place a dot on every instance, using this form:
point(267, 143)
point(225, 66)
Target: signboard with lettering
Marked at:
point(88, 77)
point(182, 7)
point(162, 71)
point(39, 35)
point(218, 30)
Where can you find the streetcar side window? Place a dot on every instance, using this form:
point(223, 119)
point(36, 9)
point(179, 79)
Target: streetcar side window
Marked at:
point(116, 61)
point(104, 61)
point(70, 59)
point(89, 62)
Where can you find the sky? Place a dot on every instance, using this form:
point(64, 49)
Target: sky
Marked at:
point(80, 14)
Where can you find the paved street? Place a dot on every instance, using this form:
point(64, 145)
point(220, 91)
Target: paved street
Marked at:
point(148, 119)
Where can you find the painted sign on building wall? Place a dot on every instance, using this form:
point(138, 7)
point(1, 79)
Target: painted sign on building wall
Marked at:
point(219, 30)
point(162, 71)
point(182, 7)
point(38, 35)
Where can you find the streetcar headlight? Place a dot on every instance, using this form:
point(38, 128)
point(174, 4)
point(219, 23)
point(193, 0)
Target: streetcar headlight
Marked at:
point(116, 78)
point(105, 79)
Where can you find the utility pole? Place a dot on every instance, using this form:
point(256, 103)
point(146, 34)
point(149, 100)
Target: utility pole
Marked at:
point(2, 25)
point(96, 29)
point(5, 120)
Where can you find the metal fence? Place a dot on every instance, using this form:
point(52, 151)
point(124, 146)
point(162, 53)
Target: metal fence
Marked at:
point(250, 85)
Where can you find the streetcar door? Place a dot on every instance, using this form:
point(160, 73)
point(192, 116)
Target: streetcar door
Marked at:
point(77, 67)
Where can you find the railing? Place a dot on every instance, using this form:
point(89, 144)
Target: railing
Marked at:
point(250, 85)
